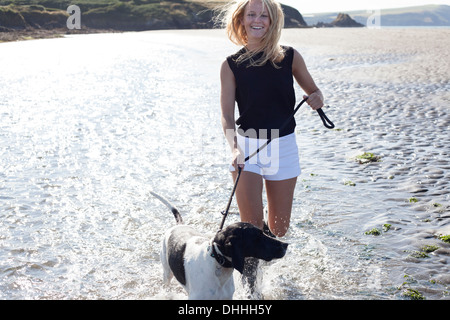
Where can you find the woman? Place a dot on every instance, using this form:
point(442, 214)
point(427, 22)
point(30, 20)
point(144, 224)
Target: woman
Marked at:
point(260, 79)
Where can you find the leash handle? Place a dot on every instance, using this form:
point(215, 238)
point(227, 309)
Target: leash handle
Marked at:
point(326, 122)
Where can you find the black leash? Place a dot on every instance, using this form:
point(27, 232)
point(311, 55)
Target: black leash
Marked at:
point(326, 122)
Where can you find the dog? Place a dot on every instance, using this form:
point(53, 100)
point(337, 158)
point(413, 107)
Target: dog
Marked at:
point(204, 265)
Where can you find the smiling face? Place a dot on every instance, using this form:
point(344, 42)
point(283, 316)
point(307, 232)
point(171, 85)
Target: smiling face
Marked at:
point(256, 21)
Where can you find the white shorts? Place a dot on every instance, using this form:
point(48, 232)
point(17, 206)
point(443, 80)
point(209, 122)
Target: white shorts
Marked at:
point(277, 161)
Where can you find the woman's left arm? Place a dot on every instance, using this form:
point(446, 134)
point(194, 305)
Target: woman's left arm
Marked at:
point(306, 82)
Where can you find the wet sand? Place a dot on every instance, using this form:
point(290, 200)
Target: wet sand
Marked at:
point(390, 95)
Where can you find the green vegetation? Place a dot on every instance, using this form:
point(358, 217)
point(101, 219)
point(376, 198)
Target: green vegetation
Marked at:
point(409, 292)
point(429, 248)
point(423, 253)
point(413, 294)
point(373, 232)
point(418, 254)
point(349, 183)
point(34, 16)
point(122, 15)
point(413, 200)
point(377, 232)
point(368, 157)
point(107, 14)
point(410, 288)
point(445, 238)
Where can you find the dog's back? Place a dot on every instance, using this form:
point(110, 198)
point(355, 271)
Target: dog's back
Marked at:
point(174, 250)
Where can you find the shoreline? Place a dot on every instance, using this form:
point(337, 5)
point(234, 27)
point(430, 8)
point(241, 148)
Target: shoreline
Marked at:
point(36, 34)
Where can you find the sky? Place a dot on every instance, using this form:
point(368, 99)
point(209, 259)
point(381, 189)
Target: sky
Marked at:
point(316, 6)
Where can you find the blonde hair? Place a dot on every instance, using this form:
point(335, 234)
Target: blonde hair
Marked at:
point(272, 51)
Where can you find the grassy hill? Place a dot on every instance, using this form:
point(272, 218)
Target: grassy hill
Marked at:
point(430, 15)
point(123, 15)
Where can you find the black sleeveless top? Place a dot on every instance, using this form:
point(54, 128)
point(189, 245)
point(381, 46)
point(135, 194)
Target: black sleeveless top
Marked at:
point(265, 95)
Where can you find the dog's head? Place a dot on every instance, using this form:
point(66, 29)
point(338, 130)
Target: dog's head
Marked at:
point(240, 240)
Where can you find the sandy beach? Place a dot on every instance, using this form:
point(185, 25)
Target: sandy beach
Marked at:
point(91, 123)
point(419, 54)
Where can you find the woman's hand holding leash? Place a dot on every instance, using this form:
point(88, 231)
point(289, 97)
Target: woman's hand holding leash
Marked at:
point(238, 159)
point(315, 100)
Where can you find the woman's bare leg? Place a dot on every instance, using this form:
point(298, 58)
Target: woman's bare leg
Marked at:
point(280, 195)
point(249, 198)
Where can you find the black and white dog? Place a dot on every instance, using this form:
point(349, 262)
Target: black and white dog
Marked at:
point(204, 265)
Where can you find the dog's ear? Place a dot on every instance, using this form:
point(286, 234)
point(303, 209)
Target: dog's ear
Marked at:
point(238, 259)
point(237, 255)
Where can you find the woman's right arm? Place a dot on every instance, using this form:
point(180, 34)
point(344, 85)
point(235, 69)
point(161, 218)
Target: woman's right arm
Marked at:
point(227, 103)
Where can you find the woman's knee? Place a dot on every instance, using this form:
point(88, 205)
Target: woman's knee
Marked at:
point(279, 226)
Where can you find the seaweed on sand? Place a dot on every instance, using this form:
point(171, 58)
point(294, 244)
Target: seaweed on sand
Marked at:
point(368, 157)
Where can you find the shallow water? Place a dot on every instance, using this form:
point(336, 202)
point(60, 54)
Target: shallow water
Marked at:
point(90, 124)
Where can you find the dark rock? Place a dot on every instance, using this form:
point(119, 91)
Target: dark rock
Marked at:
point(343, 20)
point(293, 18)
